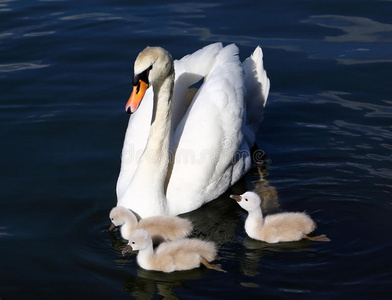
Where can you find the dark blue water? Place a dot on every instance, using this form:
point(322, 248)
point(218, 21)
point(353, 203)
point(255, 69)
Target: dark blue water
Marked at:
point(65, 72)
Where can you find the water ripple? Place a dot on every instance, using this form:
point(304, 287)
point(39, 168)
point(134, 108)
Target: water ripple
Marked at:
point(356, 29)
point(94, 16)
point(42, 33)
point(373, 110)
point(374, 132)
point(21, 66)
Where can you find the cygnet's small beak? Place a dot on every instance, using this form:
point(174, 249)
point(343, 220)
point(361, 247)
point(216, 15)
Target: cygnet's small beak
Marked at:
point(128, 248)
point(236, 197)
point(112, 226)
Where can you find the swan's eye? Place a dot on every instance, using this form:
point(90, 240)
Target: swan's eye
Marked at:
point(133, 243)
point(246, 199)
point(112, 219)
point(135, 80)
point(142, 76)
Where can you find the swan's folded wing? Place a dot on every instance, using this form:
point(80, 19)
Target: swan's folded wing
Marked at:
point(189, 70)
point(208, 137)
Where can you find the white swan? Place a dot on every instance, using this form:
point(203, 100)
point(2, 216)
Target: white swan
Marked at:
point(281, 227)
point(182, 149)
point(178, 255)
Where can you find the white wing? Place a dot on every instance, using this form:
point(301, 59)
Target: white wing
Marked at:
point(208, 137)
point(257, 87)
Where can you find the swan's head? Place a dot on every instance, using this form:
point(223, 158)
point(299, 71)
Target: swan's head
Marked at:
point(117, 216)
point(138, 240)
point(152, 66)
point(248, 201)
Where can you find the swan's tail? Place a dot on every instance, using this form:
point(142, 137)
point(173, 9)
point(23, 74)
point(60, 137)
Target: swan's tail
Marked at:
point(257, 87)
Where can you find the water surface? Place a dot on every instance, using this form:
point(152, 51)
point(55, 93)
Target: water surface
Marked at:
point(65, 74)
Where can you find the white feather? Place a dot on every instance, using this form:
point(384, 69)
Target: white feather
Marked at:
point(211, 135)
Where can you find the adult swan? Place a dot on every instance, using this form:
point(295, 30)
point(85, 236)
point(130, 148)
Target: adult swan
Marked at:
point(185, 147)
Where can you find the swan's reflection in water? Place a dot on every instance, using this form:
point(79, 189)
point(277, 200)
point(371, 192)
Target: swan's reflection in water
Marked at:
point(220, 221)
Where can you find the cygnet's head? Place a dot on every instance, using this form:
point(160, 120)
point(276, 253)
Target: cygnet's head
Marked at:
point(118, 216)
point(138, 240)
point(248, 201)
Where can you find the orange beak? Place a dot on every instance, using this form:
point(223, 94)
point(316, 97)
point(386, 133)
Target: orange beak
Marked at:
point(136, 97)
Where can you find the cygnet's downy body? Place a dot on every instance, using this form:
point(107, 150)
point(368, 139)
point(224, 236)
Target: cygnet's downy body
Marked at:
point(160, 228)
point(178, 255)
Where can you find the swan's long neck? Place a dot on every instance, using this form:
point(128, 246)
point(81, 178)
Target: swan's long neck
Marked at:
point(155, 158)
point(156, 153)
point(254, 221)
point(157, 148)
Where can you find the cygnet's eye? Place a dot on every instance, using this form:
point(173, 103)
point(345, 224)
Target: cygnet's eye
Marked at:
point(133, 243)
point(112, 219)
